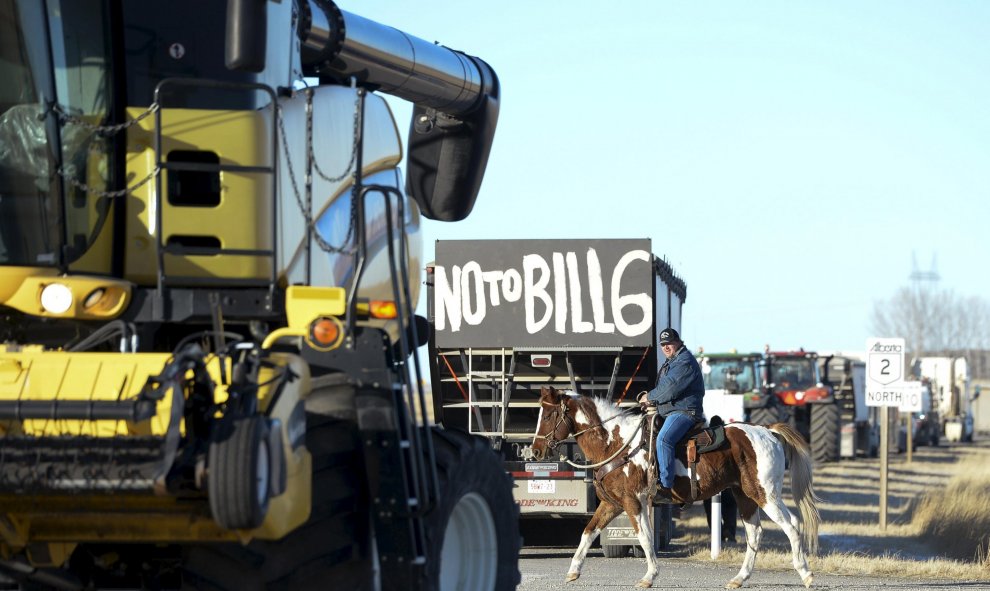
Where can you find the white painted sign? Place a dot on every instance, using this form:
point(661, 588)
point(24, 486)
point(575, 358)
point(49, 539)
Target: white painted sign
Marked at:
point(543, 292)
point(884, 372)
point(911, 398)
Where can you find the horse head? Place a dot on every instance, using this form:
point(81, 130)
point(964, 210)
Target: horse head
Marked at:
point(556, 421)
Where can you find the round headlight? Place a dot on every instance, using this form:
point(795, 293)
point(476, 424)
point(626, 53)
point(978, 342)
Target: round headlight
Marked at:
point(56, 298)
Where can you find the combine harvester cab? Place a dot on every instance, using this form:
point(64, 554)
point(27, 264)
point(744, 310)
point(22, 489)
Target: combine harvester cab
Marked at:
point(512, 316)
point(208, 270)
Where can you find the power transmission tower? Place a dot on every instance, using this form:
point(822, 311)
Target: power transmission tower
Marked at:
point(919, 277)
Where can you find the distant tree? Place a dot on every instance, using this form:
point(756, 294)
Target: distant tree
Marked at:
point(933, 321)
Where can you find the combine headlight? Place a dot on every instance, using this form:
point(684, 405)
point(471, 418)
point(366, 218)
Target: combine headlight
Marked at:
point(56, 298)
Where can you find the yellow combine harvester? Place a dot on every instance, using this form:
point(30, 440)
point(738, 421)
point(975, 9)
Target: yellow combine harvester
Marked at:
point(208, 269)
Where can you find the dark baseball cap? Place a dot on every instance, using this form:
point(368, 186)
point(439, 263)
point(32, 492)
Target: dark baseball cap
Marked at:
point(669, 335)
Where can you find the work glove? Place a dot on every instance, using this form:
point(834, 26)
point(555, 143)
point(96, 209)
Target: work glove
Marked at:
point(644, 402)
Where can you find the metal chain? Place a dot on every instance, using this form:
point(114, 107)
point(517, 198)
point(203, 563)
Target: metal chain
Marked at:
point(310, 222)
point(105, 130)
point(68, 173)
point(354, 146)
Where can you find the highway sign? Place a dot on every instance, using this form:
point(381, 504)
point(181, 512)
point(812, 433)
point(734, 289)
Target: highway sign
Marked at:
point(884, 371)
point(911, 397)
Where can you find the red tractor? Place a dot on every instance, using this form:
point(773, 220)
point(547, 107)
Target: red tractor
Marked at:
point(793, 392)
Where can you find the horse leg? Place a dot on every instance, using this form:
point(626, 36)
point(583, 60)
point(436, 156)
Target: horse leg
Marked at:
point(639, 517)
point(781, 515)
point(750, 514)
point(604, 514)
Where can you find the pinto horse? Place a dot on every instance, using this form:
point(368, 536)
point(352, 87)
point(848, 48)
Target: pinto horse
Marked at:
point(751, 464)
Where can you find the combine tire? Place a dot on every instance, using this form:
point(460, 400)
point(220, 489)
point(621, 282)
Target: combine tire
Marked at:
point(472, 534)
point(239, 471)
point(824, 432)
point(330, 550)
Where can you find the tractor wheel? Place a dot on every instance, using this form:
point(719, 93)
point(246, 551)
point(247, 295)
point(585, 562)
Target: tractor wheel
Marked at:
point(764, 416)
point(331, 549)
point(472, 534)
point(615, 551)
point(824, 432)
point(238, 477)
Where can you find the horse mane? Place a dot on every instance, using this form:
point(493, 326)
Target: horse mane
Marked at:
point(609, 413)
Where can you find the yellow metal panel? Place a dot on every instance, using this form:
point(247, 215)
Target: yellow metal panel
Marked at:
point(54, 375)
point(303, 304)
point(241, 220)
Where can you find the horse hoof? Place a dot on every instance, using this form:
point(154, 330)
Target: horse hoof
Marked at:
point(807, 581)
point(644, 584)
point(572, 577)
point(733, 584)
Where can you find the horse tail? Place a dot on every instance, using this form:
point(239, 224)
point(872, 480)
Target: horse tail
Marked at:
point(802, 489)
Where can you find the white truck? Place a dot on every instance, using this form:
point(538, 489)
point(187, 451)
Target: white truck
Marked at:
point(950, 384)
point(510, 316)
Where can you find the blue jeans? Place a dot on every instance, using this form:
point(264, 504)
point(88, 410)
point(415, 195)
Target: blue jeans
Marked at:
point(675, 426)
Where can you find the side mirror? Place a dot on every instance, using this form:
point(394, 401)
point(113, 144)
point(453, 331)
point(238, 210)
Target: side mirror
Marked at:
point(247, 35)
point(448, 154)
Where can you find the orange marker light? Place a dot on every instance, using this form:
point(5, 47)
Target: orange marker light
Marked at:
point(383, 309)
point(325, 332)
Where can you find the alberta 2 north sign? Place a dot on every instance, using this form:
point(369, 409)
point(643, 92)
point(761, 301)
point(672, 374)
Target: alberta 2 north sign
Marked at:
point(543, 293)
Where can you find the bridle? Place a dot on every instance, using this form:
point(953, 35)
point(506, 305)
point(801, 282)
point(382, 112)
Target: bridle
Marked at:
point(560, 410)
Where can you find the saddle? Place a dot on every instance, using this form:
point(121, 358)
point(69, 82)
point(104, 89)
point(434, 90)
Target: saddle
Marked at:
point(698, 440)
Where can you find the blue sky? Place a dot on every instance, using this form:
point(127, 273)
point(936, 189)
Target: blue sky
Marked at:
point(788, 158)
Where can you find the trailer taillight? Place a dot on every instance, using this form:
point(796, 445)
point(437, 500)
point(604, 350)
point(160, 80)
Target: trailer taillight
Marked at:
point(539, 360)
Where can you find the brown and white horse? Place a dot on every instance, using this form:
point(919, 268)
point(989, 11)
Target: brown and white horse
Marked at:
point(751, 464)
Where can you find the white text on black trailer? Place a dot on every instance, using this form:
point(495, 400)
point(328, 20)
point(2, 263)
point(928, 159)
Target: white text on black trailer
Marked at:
point(511, 316)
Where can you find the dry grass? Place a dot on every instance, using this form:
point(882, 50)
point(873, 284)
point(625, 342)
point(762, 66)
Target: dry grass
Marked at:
point(938, 519)
point(957, 519)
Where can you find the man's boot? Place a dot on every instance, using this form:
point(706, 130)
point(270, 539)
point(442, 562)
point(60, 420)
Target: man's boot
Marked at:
point(662, 496)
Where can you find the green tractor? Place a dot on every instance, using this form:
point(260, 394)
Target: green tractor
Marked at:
point(732, 383)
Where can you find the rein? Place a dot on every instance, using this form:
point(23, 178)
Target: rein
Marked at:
point(552, 443)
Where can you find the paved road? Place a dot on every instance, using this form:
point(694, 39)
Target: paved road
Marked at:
point(544, 569)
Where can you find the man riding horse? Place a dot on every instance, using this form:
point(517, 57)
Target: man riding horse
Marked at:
point(678, 397)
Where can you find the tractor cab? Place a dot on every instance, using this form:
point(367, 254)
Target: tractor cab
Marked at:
point(792, 376)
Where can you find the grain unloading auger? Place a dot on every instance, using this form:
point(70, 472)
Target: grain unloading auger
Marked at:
point(208, 268)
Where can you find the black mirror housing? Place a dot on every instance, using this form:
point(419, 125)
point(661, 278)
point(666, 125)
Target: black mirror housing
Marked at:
point(247, 35)
point(448, 154)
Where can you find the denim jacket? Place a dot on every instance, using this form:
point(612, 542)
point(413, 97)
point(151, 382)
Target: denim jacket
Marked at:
point(680, 386)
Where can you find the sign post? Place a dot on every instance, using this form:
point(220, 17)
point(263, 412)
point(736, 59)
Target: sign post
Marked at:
point(884, 388)
point(911, 403)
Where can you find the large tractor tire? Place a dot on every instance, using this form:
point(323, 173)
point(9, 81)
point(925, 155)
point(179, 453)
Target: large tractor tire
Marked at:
point(824, 432)
point(331, 548)
point(764, 416)
point(472, 534)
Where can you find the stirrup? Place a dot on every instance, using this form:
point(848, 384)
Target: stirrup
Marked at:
point(662, 496)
